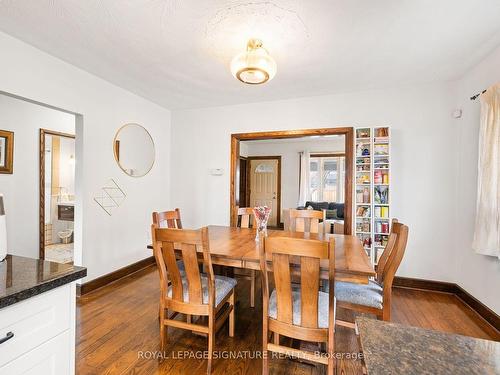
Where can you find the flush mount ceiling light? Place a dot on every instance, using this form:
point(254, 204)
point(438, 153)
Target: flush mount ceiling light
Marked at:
point(255, 65)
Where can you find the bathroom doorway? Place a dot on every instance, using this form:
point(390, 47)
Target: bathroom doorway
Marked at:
point(57, 196)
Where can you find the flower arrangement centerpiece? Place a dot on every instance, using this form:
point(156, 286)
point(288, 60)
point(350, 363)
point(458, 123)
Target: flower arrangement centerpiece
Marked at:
point(261, 217)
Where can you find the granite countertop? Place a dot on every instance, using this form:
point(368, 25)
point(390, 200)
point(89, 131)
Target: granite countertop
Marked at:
point(391, 348)
point(22, 278)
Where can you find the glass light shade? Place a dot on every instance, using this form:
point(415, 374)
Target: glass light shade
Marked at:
point(254, 66)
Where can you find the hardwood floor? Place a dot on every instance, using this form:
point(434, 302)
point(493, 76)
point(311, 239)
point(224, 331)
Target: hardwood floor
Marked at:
point(118, 331)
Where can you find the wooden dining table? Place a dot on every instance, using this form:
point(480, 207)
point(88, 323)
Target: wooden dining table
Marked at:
point(237, 247)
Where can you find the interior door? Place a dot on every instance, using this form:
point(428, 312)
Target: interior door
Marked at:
point(264, 186)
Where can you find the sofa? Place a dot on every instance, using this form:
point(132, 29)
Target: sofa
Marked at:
point(334, 211)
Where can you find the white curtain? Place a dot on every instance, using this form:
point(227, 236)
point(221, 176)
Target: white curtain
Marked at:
point(304, 178)
point(487, 228)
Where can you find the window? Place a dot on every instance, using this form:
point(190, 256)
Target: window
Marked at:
point(326, 178)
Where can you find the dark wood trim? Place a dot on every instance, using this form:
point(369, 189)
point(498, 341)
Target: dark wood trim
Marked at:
point(480, 308)
point(484, 311)
point(348, 132)
point(278, 193)
point(243, 201)
point(111, 277)
point(41, 179)
point(436, 286)
point(9, 153)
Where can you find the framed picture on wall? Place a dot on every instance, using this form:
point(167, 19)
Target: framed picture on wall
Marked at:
point(6, 152)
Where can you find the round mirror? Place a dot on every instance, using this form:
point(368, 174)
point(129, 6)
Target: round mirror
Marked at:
point(134, 150)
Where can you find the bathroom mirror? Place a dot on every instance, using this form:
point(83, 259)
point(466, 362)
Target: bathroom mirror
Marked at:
point(134, 150)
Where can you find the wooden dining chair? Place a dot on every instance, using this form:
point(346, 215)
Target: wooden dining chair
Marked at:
point(375, 297)
point(385, 254)
point(246, 219)
point(302, 312)
point(307, 221)
point(191, 292)
point(168, 219)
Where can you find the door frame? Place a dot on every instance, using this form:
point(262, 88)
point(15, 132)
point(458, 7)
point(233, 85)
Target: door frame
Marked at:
point(41, 171)
point(347, 132)
point(278, 192)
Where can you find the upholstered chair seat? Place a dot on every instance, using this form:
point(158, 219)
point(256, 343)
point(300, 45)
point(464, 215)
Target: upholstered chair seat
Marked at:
point(296, 306)
point(370, 294)
point(223, 286)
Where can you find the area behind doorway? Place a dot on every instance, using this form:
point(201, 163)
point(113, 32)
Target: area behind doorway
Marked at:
point(263, 185)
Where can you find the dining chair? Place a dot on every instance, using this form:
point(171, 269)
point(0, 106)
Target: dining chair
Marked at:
point(307, 221)
point(301, 312)
point(168, 219)
point(191, 292)
point(375, 297)
point(246, 219)
point(385, 254)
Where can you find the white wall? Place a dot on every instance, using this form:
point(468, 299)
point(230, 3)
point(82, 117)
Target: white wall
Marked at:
point(424, 157)
point(66, 164)
point(289, 152)
point(21, 189)
point(478, 274)
point(108, 242)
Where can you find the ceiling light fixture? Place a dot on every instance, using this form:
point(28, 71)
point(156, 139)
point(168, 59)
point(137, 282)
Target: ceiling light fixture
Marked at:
point(255, 65)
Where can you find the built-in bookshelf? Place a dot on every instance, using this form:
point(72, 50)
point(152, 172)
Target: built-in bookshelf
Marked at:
point(372, 217)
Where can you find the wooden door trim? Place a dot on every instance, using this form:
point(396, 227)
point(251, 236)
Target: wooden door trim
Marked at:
point(41, 179)
point(347, 132)
point(278, 194)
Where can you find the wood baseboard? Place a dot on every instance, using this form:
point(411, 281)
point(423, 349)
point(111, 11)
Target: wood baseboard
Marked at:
point(481, 309)
point(114, 276)
point(436, 286)
point(484, 311)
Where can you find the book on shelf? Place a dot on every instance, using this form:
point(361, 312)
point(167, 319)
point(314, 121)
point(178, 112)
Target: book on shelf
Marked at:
point(381, 132)
point(363, 211)
point(381, 149)
point(379, 159)
point(381, 194)
point(363, 133)
point(382, 227)
point(363, 150)
point(381, 212)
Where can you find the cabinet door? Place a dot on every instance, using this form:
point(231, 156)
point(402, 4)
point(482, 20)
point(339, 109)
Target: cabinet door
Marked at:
point(34, 321)
point(50, 358)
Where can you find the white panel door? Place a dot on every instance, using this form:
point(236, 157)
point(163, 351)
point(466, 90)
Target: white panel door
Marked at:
point(264, 186)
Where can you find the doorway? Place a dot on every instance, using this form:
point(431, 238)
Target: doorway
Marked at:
point(264, 185)
point(57, 196)
point(240, 147)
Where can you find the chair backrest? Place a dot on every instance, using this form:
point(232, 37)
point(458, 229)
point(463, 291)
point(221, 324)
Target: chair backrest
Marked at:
point(386, 253)
point(187, 241)
point(285, 254)
point(245, 217)
point(396, 255)
point(307, 221)
point(168, 219)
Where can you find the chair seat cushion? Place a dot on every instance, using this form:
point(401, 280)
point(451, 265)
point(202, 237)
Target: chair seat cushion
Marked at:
point(296, 303)
point(223, 286)
point(370, 294)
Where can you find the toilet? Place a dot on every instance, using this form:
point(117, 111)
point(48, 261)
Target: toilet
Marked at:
point(65, 235)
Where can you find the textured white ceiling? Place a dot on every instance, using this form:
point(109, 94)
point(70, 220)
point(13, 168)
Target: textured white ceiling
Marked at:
point(177, 52)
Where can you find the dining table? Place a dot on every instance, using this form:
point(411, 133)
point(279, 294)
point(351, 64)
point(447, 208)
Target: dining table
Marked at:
point(238, 248)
